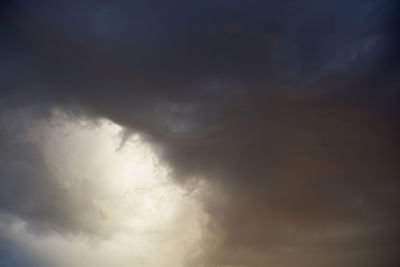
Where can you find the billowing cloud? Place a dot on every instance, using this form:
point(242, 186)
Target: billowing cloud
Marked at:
point(278, 121)
point(97, 202)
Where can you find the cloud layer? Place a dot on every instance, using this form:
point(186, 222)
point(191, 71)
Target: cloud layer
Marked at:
point(288, 111)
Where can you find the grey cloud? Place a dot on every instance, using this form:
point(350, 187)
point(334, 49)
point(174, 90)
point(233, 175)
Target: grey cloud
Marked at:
point(291, 108)
point(29, 189)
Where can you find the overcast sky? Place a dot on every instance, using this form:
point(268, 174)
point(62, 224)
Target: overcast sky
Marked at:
point(199, 133)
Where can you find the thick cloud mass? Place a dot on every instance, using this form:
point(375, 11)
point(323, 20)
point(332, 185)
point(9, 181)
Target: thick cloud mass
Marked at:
point(287, 110)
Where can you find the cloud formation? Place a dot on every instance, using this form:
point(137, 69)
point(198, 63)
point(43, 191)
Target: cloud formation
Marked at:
point(288, 111)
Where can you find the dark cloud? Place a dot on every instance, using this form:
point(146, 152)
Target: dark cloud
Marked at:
point(289, 108)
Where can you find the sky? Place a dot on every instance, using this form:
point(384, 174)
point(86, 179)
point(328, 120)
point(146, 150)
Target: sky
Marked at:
point(199, 133)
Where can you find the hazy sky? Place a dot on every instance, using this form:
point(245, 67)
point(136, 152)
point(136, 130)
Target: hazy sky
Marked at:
point(199, 133)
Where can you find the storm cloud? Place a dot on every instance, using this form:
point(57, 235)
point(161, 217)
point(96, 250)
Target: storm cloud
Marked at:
point(288, 111)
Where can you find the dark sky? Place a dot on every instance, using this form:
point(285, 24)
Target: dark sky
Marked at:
point(290, 109)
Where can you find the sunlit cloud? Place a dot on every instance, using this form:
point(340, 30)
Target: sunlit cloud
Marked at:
point(120, 199)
